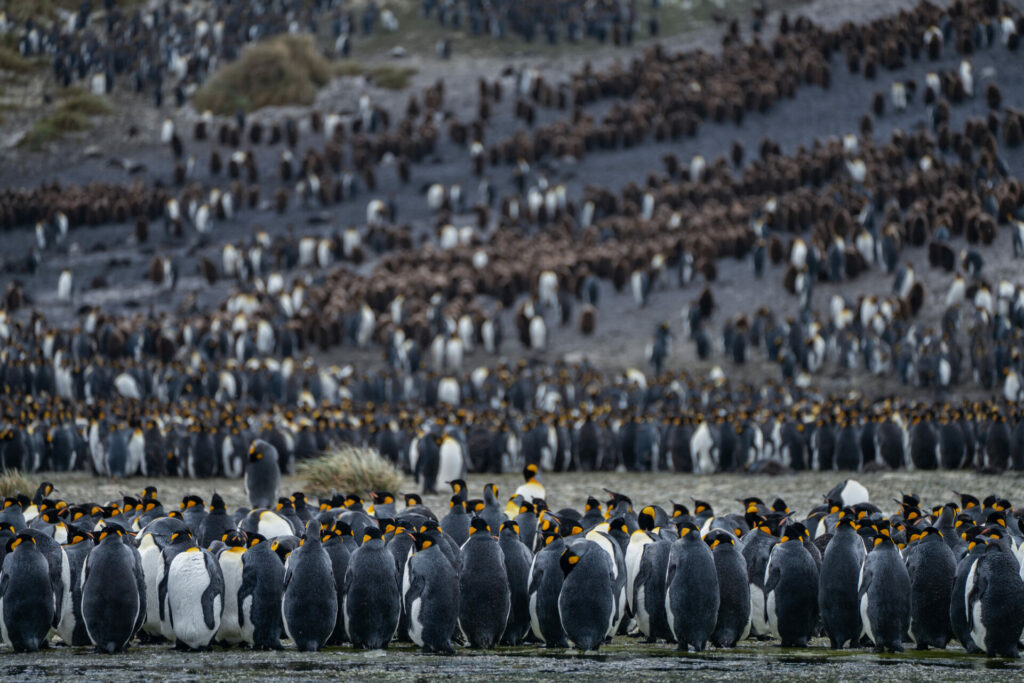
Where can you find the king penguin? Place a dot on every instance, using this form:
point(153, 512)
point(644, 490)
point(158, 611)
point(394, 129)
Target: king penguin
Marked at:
point(192, 593)
point(932, 568)
point(993, 597)
point(215, 524)
point(517, 570)
point(691, 590)
point(80, 544)
point(884, 590)
point(26, 596)
point(259, 598)
point(544, 588)
point(733, 623)
point(340, 555)
point(757, 548)
point(790, 589)
point(152, 540)
point(430, 595)
point(586, 603)
point(649, 591)
point(456, 522)
point(371, 602)
point(310, 604)
point(484, 596)
point(262, 475)
point(838, 600)
point(113, 592)
point(230, 560)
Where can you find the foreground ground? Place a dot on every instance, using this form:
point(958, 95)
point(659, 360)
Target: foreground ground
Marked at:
point(624, 659)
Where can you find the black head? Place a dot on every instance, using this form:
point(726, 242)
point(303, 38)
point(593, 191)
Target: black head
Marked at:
point(568, 560)
point(478, 524)
point(371, 533)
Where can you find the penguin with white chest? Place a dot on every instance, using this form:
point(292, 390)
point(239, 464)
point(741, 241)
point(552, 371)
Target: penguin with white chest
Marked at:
point(113, 592)
point(72, 630)
point(691, 590)
point(884, 590)
point(994, 598)
point(229, 558)
point(430, 595)
point(790, 588)
point(733, 623)
point(544, 588)
point(485, 598)
point(152, 540)
point(259, 597)
point(26, 596)
point(371, 604)
point(309, 608)
point(191, 592)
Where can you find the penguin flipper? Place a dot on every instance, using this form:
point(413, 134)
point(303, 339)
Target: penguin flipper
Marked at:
point(977, 592)
point(247, 589)
point(140, 586)
point(213, 590)
point(417, 583)
point(642, 575)
point(162, 590)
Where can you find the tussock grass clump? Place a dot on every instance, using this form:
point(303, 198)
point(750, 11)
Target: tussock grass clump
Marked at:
point(349, 469)
point(13, 62)
point(54, 127)
point(85, 103)
point(13, 482)
point(392, 77)
point(348, 67)
point(285, 70)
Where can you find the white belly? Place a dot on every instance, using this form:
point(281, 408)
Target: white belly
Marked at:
point(231, 566)
point(186, 584)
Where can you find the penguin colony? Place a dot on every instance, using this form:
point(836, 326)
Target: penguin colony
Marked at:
point(183, 393)
point(338, 573)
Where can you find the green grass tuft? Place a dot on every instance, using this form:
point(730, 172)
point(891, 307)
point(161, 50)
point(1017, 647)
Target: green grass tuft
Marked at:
point(391, 77)
point(13, 482)
point(286, 70)
point(349, 469)
point(348, 67)
point(13, 62)
point(85, 103)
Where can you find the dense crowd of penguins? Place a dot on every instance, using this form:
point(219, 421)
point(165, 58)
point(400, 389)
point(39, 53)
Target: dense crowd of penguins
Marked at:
point(485, 574)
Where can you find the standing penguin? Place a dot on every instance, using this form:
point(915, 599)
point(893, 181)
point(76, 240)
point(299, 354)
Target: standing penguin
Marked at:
point(994, 599)
point(757, 548)
point(72, 631)
point(340, 555)
point(838, 599)
point(544, 588)
point(733, 623)
point(517, 570)
point(262, 475)
point(309, 608)
point(191, 592)
point(958, 604)
point(259, 597)
point(932, 568)
point(456, 522)
point(430, 595)
point(484, 596)
point(371, 604)
point(790, 588)
point(113, 592)
point(884, 590)
point(586, 603)
point(691, 590)
point(152, 540)
point(649, 591)
point(26, 596)
point(229, 558)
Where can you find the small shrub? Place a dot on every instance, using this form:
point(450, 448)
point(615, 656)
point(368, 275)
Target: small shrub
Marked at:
point(349, 469)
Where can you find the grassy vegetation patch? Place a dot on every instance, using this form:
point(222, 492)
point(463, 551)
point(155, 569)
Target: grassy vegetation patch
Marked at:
point(391, 77)
point(286, 70)
point(349, 469)
point(13, 62)
point(71, 116)
point(13, 482)
point(85, 103)
point(348, 67)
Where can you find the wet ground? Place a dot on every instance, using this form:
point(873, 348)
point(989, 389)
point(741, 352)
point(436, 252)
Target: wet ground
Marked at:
point(624, 659)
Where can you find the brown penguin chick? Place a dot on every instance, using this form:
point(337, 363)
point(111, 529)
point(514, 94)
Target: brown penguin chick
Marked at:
point(208, 270)
point(993, 96)
point(199, 132)
point(706, 303)
point(281, 200)
point(915, 298)
point(216, 164)
point(141, 230)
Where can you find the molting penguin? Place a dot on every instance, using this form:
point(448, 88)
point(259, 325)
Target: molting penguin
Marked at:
point(932, 568)
point(113, 592)
point(838, 599)
point(691, 590)
point(259, 597)
point(262, 475)
point(586, 602)
point(310, 604)
point(733, 623)
point(790, 589)
point(26, 596)
point(484, 596)
point(517, 569)
point(544, 588)
point(430, 595)
point(994, 597)
point(191, 592)
point(884, 590)
point(229, 558)
point(371, 604)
